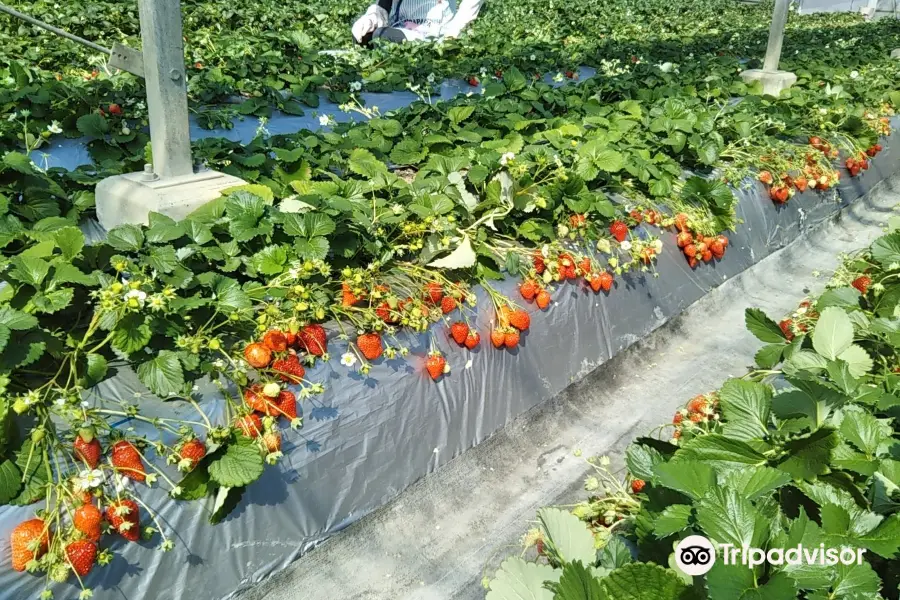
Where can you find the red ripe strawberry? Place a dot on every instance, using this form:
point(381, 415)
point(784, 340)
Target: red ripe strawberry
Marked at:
point(348, 297)
point(434, 292)
point(370, 345)
point(683, 239)
point(577, 220)
point(681, 222)
point(717, 249)
point(619, 230)
point(692, 262)
point(854, 171)
point(520, 320)
point(690, 250)
point(289, 369)
point(697, 418)
point(286, 405)
point(22, 542)
point(594, 281)
point(637, 485)
point(538, 260)
point(816, 142)
point(448, 304)
point(435, 365)
point(722, 239)
point(114, 109)
point(677, 418)
point(637, 215)
point(706, 256)
point(473, 81)
point(878, 148)
point(606, 281)
point(863, 164)
point(498, 338)
point(800, 183)
point(275, 341)
point(312, 338)
point(257, 355)
point(250, 425)
point(82, 555)
point(193, 450)
point(88, 452)
point(543, 299)
point(778, 194)
point(459, 331)
point(785, 326)
point(511, 339)
point(570, 74)
point(272, 440)
point(86, 519)
point(871, 152)
point(125, 518)
point(697, 404)
point(766, 177)
point(383, 312)
point(862, 284)
point(257, 400)
point(472, 339)
point(584, 265)
point(529, 289)
point(127, 461)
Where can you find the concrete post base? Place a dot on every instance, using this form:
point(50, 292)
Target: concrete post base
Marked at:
point(130, 198)
point(773, 82)
point(895, 53)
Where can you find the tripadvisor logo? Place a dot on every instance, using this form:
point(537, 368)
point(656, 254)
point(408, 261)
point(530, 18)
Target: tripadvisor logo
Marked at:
point(695, 555)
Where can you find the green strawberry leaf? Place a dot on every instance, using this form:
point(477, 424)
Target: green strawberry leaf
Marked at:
point(238, 466)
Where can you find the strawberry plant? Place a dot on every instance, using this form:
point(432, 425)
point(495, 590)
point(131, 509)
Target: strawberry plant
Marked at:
point(801, 450)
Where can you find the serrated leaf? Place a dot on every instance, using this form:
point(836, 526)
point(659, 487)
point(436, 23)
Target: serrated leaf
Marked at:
point(520, 580)
point(729, 582)
point(884, 540)
point(462, 257)
point(10, 481)
point(29, 270)
point(362, 162)
point(804, 360)
point(745, 408)
point(641, 460)
point(126, 238)
point(727, 517)
point(51, 302)
point(238, 466)
point(312, 249)
point(769, 355)
point(163, 259)
point(854, 582)
point(672, 519)
point(458, 114)
point(22, 350)
point(715, 448)
point(614, 554)
point(843, 297)
point(886, 249)
point(30, 462)
point(577, 583)
point(643, 581)
point(688, 477)
point(70, 241)
point(92, 125)
point(757, 482)
point(864, 431)
point(833, 333)
point(765, 329)
point(271, 260)
point(809, 455)
point(566, 536)
point(97, 369)
point(226, 501)
point(131, 334)
point(5, 334)
point(16, 319)
point(858, 360)
point(163, 374)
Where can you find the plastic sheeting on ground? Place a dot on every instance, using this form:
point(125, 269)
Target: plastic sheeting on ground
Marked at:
point(367, 438)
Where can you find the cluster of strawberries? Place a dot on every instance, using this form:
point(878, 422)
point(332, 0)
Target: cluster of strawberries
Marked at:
point(277, 351)
point(76, 547)
point(697, 247)
point(701, 411)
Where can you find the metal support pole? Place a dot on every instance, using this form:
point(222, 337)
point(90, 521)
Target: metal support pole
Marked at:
point(52, 29)
point(776, 35)
point(163, 50)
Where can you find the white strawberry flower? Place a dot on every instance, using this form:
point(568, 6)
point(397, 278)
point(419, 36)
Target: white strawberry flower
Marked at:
point(507, 156)
point(137, 295)
point(626, 245)
point(54, 127)
point(854, 74)
point(348, 359)
point(657, 246)
point(324, 120)
point(355, 86)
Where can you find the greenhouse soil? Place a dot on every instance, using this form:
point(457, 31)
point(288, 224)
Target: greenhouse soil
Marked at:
point(437, 538)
